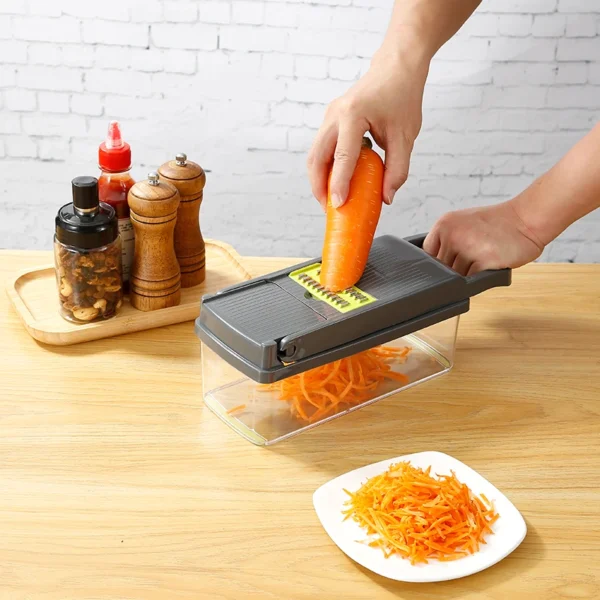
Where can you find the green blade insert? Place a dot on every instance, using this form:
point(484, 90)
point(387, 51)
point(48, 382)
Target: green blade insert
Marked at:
point(350, 299)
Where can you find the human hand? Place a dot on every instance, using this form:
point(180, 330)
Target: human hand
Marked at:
point(387, 102)
point(476, 239)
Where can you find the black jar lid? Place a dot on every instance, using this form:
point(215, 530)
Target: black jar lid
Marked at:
point(86, 222)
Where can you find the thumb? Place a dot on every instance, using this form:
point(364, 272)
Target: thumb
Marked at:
point(397, 160)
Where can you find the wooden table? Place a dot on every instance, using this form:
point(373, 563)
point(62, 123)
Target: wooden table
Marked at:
point(116, 481)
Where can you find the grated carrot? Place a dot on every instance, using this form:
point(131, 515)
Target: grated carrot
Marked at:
point(236, 409)
point(410, 513)
point(342, 384)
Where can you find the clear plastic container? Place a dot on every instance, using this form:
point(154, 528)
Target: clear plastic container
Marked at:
point(266, 414)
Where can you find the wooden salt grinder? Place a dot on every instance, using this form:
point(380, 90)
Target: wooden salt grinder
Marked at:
point(155, 279)
point(189, 178)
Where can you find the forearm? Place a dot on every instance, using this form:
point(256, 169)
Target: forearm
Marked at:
point(420, 28)
point(565, 194)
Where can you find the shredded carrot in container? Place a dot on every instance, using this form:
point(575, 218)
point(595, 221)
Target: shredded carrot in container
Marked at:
point(337, 386)
point(408, 512)
point(236, 409)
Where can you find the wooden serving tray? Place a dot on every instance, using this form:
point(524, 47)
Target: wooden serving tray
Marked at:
point(35, 297)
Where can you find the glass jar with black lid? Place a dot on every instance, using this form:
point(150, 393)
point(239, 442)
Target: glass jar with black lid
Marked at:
point(87, 254)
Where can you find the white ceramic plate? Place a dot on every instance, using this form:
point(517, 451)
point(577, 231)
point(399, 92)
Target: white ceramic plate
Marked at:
point(509, 529)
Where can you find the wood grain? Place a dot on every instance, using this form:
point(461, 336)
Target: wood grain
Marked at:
point(118, 483)
point(33, 294)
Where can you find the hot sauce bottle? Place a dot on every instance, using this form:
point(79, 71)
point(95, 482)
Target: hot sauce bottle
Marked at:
point(114, 157)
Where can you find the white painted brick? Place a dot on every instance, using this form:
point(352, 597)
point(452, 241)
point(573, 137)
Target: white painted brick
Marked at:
point(127, 83)
point(43, 8)
point(115, 33)
point(303, 41)
point(50, 78)
point(287, 113)
point(470, 72)
point(368, 3)
point(248, 12)
point(280, 15)
point(350, 18)
point(110, 10)
point(366, 44)
point(16, 52)
point(2, 149)
point(87, 104)
point(436, 96)
point(20, 146)
point(300, 140)
point(63, 30)
point(549, 25)
point(13, 7)
point(214, 61)
point(464, 49)
point(180, 11)
point(346, 69)
point(214, 11)
point(515, 25)
point(180, 61)
point(264, 138)
point(578, 6)
point(44, 54)
point(571, 73)
point(249, 63)
point(504, 186)
point(514, 97)
point(77, 56)
point(481, 25)
point(562, 252)
point(53, 124)
point(513, 120)
point(312, 67)
point(581, 26)
point(573, 97)
point(20, 100)
point(9, 122)
point(54, 148)
point(529, 50)
point(574, 120)
point(148, 60)
point(147, 11)
point(315, 91)
point(516, 6)
point(313, 115)
point(112, 57)
point(246, 38)
point(53, 102)
point(184, 36)
point(594, 73)
point(275, 64)
point(506, 164)
point(517, 74)
point(577, 49)
point(5, 27)
point(122, 107)
point(314, 16)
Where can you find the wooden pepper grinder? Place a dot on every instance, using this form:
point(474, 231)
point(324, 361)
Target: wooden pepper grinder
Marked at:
point(189, 178)
point(155, 280)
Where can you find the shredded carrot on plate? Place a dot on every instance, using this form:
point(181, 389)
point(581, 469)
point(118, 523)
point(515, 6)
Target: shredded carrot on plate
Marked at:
point(339, 385)
point(408, 512)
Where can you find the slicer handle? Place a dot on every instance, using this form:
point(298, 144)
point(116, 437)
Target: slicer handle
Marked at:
point(476, 283)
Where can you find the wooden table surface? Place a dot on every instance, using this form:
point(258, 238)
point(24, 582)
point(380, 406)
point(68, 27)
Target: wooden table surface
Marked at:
point(116, 481)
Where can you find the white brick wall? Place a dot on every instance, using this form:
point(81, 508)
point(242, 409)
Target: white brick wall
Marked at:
point(242, 85)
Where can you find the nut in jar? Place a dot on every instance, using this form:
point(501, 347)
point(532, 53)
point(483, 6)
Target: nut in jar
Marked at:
point(87, 253)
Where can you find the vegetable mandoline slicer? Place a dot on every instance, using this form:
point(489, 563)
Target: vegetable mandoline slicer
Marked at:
point(285, 323)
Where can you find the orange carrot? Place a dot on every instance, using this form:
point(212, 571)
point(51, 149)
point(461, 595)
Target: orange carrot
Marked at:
point(412, 514)
point(235, 409)
point(350, 229)
point(337, 386)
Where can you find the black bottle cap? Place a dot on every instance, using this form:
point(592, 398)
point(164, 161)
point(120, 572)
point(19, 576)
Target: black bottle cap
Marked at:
point(85, 192)
point(86, 223)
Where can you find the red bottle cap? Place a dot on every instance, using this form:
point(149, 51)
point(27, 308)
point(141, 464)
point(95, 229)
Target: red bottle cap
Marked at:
point(114, 154)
